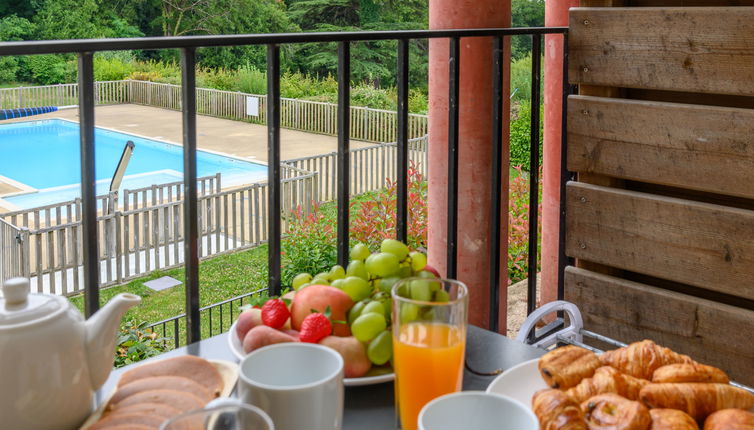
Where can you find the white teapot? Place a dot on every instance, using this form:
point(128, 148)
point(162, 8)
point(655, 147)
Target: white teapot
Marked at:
point(51, 360)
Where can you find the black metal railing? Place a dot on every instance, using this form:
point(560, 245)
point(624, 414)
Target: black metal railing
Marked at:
point(188, 45)
point(218, 317)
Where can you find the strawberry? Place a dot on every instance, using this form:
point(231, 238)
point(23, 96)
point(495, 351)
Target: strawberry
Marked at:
point(275, 313)
point(314, 328)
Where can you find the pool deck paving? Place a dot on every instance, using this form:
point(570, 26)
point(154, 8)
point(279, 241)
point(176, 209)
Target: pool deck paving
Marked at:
point(236, 138)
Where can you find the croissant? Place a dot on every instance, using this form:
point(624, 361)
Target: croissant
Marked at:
point(567, 366)
point(641, 359)
point(613, 412)
point(607, 380)
point(695, 398)
point(689, 372)
point(671, 419)
point(730, 419)
point(556, 410)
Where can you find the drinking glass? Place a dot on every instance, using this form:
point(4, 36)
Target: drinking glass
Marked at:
point(429, 342)
point(227, 417)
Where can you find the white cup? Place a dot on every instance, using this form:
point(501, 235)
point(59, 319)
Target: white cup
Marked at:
point(476, 410)
point(299, 385)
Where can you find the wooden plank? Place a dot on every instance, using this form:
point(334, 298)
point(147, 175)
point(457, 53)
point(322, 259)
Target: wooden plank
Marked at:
point(700, 244)
point(705, 148)
point(705, 49)
point(709, 332)
point(694, 3)
point(692, 98)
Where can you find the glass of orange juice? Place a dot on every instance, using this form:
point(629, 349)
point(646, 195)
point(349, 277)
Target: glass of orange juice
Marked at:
point(429, 341)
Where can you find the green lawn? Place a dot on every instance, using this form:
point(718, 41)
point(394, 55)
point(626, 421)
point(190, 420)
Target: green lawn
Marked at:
point(220, 278)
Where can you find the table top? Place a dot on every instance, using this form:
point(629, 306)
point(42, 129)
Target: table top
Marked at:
point(372, 406)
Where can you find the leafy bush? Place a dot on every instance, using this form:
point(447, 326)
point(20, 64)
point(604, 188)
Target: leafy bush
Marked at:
point(111, 68)
point(521, 79)
point(218, 79)
point(518, 226)
point(521, 137)
point(8, 69)
point(375, 219)
point(310, 245)
point(364, 95)
point(48, 69)
point(251, 80)
point(135, 344)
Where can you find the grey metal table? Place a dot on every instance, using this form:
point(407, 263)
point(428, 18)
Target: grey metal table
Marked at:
point(372, 406)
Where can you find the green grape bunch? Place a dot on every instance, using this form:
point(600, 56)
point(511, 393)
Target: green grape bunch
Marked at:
point(368, 279)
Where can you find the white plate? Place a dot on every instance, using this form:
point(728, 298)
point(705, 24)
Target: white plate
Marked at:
point(520, 382)
point(237, 348)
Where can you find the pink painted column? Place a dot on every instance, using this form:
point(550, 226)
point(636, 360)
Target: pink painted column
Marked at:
point(556, 14)
point(475, 140)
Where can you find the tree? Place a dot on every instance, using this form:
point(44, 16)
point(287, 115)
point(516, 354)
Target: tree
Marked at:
point(13, 28)
point(372, 61)
point(525, 13)
point(21, 8)
point(67, 19)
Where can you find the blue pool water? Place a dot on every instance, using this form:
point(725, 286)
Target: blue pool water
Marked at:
point(45, 155)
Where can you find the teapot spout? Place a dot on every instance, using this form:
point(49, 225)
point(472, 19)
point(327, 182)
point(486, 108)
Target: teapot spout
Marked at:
point(101, 330)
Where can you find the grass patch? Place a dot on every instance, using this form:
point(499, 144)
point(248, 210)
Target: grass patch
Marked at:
point(220, 278)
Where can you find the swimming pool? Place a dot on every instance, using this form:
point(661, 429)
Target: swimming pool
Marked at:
point(42, 158)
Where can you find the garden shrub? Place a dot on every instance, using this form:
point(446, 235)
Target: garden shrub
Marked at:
point(375, 219)
point(310, 245)
point(251, 80)
point(48, 69)
point(518, 226)
point(521, 137)
point(111, 68)
point(8, 69)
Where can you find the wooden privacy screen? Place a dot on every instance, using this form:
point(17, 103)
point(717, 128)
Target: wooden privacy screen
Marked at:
point(661, 220)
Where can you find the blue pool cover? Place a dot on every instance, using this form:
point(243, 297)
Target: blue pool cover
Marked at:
point(21, 112)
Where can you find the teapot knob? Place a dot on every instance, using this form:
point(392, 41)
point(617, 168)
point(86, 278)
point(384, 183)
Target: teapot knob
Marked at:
point(16, 291)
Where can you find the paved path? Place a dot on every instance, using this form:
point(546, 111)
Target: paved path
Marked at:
point(237, 138)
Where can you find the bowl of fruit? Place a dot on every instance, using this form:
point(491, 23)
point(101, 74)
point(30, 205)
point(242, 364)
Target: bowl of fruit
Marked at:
point(348, 309)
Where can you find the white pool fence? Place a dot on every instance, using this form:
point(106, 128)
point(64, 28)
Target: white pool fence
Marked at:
point(370, 125)
point(141, 230)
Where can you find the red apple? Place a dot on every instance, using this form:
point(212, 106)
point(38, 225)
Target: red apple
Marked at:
point(318, 298)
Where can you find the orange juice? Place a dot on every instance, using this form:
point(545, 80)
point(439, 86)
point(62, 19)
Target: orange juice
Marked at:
point(428, 362)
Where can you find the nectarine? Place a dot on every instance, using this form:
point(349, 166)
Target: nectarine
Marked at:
point(318, 298)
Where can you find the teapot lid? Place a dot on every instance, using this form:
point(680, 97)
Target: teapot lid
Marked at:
point(17, 306)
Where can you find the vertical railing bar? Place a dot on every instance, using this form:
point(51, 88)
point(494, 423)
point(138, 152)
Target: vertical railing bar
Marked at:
point(402, 143)
point(90, 252)
point(273, 167)
point(344, 109)
point(565, 175)
point(497, 179)
point(531, 299)
point(453, 85)
point(190, 221)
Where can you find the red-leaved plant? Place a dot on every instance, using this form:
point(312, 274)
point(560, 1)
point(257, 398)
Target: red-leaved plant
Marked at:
point(310, 244)
point(518, 226)
point(375, 220)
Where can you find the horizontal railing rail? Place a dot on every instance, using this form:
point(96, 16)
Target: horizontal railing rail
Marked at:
point(187, 46)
